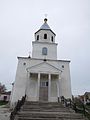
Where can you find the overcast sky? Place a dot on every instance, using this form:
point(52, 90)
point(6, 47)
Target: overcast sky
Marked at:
point(69, 19)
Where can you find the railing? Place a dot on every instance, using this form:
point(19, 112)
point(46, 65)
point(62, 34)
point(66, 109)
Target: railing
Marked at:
point(17, 107)
point(72, 104)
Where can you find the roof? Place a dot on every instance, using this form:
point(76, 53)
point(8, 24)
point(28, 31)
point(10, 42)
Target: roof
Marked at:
point(87, 93)
point(45, 26)
point(6, 93)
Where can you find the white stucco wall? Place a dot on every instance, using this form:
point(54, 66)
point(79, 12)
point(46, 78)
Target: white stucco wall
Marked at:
point(51, 50)
point(66, 82)
point(32, 86)
point(54, 91)
point(21, 80)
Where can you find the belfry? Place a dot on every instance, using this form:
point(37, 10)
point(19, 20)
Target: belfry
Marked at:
point(42, 77)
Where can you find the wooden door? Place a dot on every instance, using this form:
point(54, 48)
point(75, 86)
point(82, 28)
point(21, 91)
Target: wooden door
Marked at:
point(43, 93)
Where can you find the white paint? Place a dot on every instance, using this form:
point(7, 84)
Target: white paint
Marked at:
point(46, 64)
point(51, 50)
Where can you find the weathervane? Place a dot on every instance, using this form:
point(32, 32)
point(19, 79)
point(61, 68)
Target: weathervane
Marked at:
point(46, 15)
point(45, 20)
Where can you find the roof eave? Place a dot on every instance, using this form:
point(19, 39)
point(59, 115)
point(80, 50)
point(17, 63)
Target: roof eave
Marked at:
point(45, 29)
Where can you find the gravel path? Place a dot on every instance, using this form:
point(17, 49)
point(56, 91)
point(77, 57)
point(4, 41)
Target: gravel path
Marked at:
point(4, 113)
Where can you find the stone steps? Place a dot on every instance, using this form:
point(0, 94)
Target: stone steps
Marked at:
point(41, 110)
point(36, 106)
point(43, 103)
point(49, 115)
point(47, 111)
point(48, 119)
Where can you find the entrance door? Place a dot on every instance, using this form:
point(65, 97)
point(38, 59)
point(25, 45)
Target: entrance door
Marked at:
point(43, 93)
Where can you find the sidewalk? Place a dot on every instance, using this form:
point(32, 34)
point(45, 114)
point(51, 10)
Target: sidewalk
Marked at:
point(4, 113)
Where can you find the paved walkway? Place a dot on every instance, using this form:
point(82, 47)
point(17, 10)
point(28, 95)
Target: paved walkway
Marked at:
point(4, 113)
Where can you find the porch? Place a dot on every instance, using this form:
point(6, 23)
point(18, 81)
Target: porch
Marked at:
point(43, 87)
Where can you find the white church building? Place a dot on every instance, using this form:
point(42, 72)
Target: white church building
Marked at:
point(42, 77)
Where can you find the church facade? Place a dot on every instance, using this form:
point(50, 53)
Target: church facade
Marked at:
point(42, 77)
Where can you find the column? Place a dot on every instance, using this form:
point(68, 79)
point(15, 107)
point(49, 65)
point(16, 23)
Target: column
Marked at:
point(49, 88)
point(27, 83)
point(60, 87)
point(38, 86)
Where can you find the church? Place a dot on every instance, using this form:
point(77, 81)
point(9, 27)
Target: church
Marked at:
point(42, 77)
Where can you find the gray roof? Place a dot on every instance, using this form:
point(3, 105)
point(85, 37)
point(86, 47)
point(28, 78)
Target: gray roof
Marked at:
point(45, 26)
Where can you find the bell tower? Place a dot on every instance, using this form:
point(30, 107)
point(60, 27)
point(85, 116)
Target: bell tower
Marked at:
point(44, 46)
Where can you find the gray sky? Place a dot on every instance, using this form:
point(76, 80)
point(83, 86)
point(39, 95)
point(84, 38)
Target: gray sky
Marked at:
point(69, 19)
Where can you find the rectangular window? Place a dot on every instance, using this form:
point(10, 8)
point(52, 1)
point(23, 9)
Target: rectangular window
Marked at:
point(37, 37)
point(44, 84)
point(45, 36)
point(44, 51)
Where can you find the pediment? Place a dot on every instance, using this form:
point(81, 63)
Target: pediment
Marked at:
point(44, 67)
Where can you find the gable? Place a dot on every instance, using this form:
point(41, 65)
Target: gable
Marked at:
point(44, 67)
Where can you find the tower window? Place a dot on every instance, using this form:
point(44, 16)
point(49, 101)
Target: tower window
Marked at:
point(44, 51)
point(52, 38)
point(45, 36)
point(37, 37)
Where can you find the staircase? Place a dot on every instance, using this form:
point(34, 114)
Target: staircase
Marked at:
point(47, 111)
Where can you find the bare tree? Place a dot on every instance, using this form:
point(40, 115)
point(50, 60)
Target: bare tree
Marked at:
point(2, 88)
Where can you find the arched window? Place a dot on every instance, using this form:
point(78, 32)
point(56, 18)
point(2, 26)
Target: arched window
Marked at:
point(44, 51)
point(52, 38)
point(45, 36)
point(37, 37)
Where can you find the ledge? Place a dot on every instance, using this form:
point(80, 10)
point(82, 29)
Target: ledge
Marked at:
point(43, 59)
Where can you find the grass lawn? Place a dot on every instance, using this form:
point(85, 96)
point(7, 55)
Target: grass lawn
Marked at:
point(3, 103)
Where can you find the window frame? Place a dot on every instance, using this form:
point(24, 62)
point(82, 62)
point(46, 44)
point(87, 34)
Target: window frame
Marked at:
point(52, 39)
point(37, 37)
point(45, 36)
point(44, 84)
point(44, 51)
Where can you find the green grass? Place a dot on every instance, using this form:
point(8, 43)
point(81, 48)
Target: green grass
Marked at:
point(3, 103)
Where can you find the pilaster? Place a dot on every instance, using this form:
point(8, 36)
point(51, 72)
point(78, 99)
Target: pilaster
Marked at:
point(49, 87)
point(38, 86)
point(27, 83)
point(60, 86)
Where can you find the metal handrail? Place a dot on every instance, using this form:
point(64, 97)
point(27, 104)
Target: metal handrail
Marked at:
point(76, 107)
point(17, 107)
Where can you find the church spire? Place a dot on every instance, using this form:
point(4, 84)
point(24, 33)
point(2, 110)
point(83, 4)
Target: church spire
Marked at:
point(45, 26)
